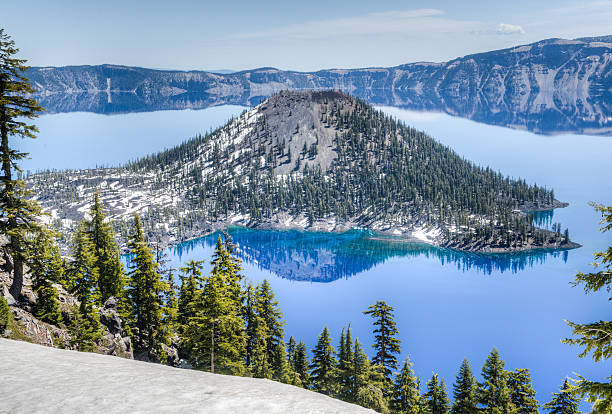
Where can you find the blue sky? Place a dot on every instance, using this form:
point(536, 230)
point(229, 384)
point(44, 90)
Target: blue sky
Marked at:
point(304, 35)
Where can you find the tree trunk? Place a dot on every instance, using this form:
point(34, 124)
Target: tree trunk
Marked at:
point(212, 349)
point(17, 284)
point(8, 195)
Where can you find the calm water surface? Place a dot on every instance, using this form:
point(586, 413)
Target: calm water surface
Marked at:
point(448, 305)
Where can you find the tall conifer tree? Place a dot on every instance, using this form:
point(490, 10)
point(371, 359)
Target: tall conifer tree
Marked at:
point(406, 392)
point(216, 332)
point(17, 213)
point(564, 402)
point(596, 337)
point(106, 251)
point(464, 391)
point(436, 396)
point(301, 364)
point(323, 364)
point(146, 291)
point(522, 394)
point(46, 267)
point(385, 341)
point(493, 392)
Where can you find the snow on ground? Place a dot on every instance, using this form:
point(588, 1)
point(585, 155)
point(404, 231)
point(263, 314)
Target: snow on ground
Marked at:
point(37, 379)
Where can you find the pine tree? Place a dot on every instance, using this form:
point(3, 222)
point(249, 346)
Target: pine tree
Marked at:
point(596, 337)
point(522, 394)
point(301, 364)
point(323, 365)
point(406, 391)
point(345, 365)
point(493, 392)
point(367, 382)
point(111, 275)
point(46, 267)
point(271, 317)
point(216, 332)
point(146, 290)
point(436, 396)
point(464, 391)
point(170, 302)
point(83, 273)
point(191, 281)
point(256, 351)
point(282, 371)
point(17, 212)
point(386, 343)
point(564, 402)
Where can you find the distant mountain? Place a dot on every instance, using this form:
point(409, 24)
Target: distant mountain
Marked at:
point(550, 86)
point(321, 161)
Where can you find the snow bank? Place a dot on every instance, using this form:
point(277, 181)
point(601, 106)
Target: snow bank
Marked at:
point(35, 378)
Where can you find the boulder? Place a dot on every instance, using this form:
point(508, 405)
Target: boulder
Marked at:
point(7, 295)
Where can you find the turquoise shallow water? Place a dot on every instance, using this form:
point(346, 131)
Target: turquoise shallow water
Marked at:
point(449, 305)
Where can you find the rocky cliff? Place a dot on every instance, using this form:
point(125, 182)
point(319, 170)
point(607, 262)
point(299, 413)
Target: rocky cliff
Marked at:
point(551, 86)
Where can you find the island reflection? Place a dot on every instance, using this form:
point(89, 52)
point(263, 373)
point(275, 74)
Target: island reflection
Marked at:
point(325, 257)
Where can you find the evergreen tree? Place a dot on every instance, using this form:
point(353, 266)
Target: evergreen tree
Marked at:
point(216, 332)
point(367, 382)
point(282, 370)
point(323, 365)
point(301, 364)
point(46, 267)
point(345, 365)
point(84, 328)
point(522, 394)
point(256, 350)
point(271, 318)
point(5, 315)
point(493, 392)
point(385, 343)
point(83, 273)
point(170, 302)
point(191, 281)
point(406, 391)
point(17, 212)
point(111, 275)
point(464, 392)
point(146, 291)
point(436, 396)
point(596, 337)
point(563, 402)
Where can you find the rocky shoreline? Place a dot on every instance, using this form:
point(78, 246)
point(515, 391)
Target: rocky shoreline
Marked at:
point(386, 231)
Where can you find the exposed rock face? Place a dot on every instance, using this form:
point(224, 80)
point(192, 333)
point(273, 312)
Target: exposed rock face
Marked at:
point(551, 86)
point(114, 339)
point(272, 166)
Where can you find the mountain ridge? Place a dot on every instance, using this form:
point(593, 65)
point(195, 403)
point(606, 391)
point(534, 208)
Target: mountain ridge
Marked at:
point(547, 87)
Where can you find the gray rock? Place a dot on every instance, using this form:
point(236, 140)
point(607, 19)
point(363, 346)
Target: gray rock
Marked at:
point(9, 298)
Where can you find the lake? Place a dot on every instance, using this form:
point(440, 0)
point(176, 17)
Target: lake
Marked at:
point(448, 305)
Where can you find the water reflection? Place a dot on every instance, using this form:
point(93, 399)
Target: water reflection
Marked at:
point(325, 257)
point(509, 111)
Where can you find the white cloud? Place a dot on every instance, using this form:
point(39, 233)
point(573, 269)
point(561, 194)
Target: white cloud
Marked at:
point(509, 29)
point(395, 22)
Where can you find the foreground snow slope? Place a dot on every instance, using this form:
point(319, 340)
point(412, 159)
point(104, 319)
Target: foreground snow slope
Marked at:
point(35, 378)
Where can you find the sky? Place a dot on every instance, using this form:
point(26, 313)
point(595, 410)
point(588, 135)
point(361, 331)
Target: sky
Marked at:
point(304, 36)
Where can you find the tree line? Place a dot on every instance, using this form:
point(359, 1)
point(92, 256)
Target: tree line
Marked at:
point(222, 323)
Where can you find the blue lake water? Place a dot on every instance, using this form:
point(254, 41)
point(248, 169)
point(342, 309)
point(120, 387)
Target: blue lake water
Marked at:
point(448, 305)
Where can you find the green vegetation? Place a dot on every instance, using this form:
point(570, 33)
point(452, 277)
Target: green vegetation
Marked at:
point(564, 402)
point(371, 169)
point(17, 213)
point(596, 337)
